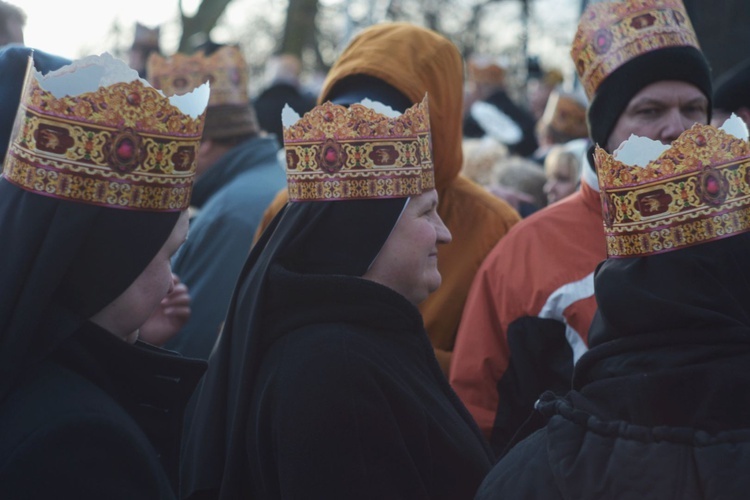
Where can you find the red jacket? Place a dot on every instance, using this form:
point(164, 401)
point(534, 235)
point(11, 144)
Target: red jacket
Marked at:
point(528, 312)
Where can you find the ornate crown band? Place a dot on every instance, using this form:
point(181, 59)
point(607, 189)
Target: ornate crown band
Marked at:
point(611, 34)
point(225, 69)
point(696, 191)
point(121, 146)
point(339, 153)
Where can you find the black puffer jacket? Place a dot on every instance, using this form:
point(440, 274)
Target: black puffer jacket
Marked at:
point(660, 406)
point(640, 431)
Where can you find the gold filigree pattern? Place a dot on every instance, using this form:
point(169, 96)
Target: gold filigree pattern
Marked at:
point(612, 33)
point(226, 69)
point(339, 153)
point(696, 191)
point(121, 146)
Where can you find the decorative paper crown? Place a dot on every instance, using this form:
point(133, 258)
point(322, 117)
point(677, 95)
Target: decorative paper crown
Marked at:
point(93, 132)
point(225, 69)
point(339, 153)
point(697, 190)
point(611, 34)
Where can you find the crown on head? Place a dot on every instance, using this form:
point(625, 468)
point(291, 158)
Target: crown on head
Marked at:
point(225, 69)
point(89, 140)
point(612, 33)
point(339, 153)
point(697, 190)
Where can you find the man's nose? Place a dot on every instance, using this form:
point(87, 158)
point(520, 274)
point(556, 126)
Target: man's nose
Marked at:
point(674, 124)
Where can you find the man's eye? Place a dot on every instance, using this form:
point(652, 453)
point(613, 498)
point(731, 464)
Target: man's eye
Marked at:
point(694, 109)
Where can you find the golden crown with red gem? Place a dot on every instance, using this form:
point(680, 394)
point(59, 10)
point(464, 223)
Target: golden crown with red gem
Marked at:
point(363, 151)
point(225, 69)
point(93, 132)
point(612, 33)
point(697, 190)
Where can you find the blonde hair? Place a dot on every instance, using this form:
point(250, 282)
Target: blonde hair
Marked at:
point(523, 175)
point(560, 155)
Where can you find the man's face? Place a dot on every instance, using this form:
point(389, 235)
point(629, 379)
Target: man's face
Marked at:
point(660, 111)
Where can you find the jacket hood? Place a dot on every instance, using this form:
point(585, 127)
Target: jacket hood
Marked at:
point(426, 62)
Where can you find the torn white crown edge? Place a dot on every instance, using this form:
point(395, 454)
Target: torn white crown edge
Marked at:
point(92, 72)
point(640, 151)
point(289, 117)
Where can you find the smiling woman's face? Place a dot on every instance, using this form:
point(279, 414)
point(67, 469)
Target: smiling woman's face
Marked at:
point(407, 263)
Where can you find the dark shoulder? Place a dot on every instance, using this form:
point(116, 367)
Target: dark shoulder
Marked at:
point(327, 341)
point(62, 436)
point(335, 353)
point(54, 393)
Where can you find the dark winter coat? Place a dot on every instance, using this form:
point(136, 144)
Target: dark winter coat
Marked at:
point(100, 418)
point(350, 384)
point(659, 406)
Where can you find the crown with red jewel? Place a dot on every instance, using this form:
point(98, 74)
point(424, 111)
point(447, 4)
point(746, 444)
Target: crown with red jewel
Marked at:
point(612, 33)
point(364, 151)
point(93, 132)
point(696, 191)
point(225, 69)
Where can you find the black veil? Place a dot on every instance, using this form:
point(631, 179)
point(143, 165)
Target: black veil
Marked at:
point(62, 261)
point(316, 237)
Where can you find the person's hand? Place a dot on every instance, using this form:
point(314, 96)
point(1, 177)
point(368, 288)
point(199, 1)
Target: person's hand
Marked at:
point(169, 317)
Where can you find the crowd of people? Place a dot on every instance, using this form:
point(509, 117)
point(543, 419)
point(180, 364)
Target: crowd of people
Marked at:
point(410, 285)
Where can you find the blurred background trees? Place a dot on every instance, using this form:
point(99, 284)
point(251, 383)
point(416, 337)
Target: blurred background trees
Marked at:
point(316, 30)
point(518, 30)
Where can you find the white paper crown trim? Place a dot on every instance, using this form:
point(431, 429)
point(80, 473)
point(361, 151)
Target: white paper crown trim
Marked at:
point(639, 151)
point(92, 72)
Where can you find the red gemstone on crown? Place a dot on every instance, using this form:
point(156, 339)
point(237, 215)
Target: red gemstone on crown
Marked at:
point(134, 99)
point(331, 155)
point(712, 186)
point(125, 150)
point(328, 116)
point(700, 140)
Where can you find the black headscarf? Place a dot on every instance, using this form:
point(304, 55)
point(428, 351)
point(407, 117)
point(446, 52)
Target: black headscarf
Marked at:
point(62, 261)
point(317, 237)
point(702, 288)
